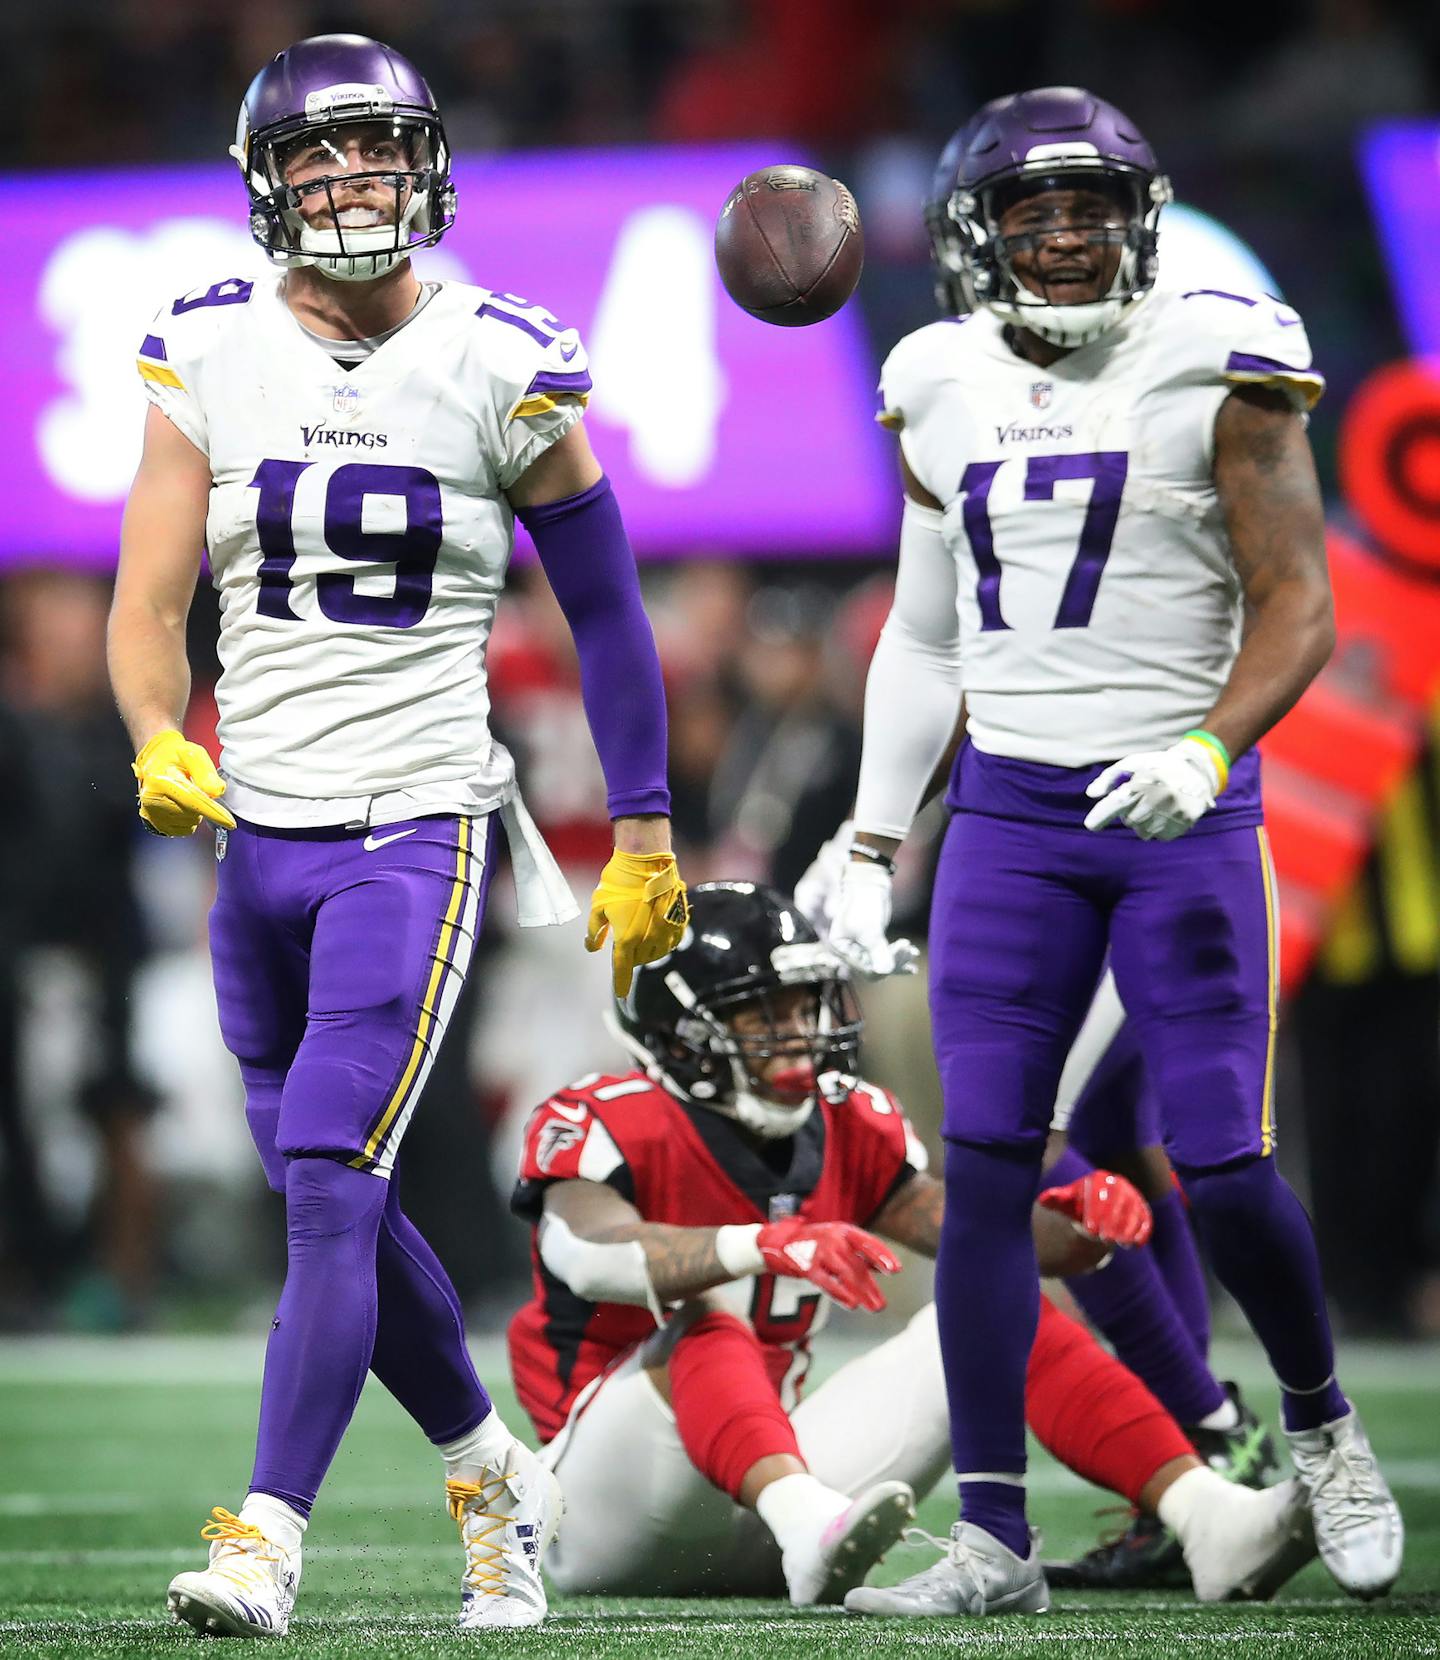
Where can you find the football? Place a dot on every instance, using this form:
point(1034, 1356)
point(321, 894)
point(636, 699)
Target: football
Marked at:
point(788, 245)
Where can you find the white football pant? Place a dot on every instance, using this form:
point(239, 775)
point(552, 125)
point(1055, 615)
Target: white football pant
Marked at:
point(641, 1520)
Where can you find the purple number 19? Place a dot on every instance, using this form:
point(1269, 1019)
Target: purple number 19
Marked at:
point(413, 551)
point(1106, 469)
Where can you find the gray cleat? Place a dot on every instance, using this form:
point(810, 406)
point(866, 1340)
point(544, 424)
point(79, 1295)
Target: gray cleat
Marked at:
point(976, 1575)
point(1357, 1522)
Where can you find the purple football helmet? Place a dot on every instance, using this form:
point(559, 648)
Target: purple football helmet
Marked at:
point(1054, 138)
point(331, 113)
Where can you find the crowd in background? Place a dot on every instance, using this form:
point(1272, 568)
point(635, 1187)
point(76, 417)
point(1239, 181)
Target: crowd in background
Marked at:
point(128, 1187)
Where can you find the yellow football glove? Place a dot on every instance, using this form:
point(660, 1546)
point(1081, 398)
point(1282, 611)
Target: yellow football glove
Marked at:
point(178, 786)
point(641, 900)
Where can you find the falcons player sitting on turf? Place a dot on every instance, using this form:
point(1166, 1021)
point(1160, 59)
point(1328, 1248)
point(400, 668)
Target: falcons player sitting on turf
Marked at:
point(693, 1222)
point(354, 446)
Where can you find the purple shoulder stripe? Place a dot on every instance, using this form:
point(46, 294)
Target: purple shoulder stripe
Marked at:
point(1249, 363)
point(553, 380)
point(1219, 294)
point(153, 346)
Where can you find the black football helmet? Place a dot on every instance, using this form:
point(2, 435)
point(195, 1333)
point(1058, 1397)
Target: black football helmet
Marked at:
point(745, 943)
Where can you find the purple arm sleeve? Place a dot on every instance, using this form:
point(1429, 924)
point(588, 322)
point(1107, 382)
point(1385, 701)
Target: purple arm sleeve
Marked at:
point(587, 560)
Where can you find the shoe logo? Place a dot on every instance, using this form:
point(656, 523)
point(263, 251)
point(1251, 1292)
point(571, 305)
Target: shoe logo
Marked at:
point(374, 843)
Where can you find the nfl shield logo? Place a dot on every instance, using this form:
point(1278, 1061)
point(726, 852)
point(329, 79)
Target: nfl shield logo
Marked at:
point(783, 1205)
point(222, 842)
point(1041, 392)
point(347, 401)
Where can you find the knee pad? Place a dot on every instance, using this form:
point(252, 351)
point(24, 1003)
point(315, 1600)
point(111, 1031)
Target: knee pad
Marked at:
point(324, 1198)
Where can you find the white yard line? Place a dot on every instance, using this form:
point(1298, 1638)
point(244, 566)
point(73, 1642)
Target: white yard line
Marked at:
point(175, 1362)
point(1046, 1480)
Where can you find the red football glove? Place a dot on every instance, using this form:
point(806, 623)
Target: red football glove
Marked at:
point(832, 1255)
point(1103, 1205)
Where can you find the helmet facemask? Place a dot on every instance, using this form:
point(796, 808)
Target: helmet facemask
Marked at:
point(351, 194)
point(977, 265)
point(722, 1050)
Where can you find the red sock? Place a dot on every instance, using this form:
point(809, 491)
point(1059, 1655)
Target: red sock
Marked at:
point(727, 1410)
point(1093, 1414)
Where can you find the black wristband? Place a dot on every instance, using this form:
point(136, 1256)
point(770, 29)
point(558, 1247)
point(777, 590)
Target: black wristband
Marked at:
point(873, 855)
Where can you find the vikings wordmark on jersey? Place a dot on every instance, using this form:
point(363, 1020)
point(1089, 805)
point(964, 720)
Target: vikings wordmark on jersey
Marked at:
point(1099, 609)
point(359, 534)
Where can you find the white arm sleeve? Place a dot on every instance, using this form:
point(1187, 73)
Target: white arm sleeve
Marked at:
point(912, 694)
point(1096, 1034)
point(597, 1273)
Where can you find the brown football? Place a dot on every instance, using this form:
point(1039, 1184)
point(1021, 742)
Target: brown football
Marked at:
point(788, 245)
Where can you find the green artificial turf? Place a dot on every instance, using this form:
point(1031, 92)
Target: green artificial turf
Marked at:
point(111, 1454)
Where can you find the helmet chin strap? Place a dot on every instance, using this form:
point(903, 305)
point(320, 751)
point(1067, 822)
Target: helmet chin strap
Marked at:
point(1065, 325)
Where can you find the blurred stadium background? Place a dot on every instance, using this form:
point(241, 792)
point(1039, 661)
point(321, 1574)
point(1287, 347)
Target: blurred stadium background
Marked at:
point(598, 139)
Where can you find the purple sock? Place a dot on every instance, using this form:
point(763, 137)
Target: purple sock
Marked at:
point(1172, 1245)
point(987, 1294)
point(1262, 1248)
point(1128, 1302)
point(320, 1343)
point(420, 1354)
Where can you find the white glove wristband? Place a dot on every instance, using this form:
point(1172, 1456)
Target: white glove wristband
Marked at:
point(735, 1245)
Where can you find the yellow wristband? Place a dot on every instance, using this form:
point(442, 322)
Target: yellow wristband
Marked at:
point(1218, 753)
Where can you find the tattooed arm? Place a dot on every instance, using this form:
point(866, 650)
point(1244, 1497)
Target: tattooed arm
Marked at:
point(1265, 479)
point(911, 1217)
point(681, 1261)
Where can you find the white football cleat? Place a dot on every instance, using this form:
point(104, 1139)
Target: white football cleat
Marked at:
point(247, 1590)
point(1245, 1544)
point(1357, 1522)
point(507, 1520)
point(844, 1551)
point(976, 1575)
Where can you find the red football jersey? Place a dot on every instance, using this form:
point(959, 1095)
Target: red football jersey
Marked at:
point(689, 1166)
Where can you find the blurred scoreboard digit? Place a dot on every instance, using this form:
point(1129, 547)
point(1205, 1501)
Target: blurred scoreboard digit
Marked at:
point(721, 435)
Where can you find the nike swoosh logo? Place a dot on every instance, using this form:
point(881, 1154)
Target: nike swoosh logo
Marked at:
point(374, 843)
point(568, 352)
point(574, 1112)
point(1287, 322)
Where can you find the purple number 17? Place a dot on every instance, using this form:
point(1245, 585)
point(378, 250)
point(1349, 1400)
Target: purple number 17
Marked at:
point(1106, 469)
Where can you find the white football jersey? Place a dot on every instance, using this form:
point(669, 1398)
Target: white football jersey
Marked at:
point(359, 537)
point(1100, 611)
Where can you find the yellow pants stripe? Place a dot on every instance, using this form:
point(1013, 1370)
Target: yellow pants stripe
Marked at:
point(449, 937)
point(1272, 947)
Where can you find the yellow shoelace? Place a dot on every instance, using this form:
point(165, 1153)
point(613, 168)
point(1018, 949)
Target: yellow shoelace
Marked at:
point(484, 1548)
point(235, 1535)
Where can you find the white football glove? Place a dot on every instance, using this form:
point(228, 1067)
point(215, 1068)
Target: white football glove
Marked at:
point(857, 929)
point(817, 893)
point(1164, 791)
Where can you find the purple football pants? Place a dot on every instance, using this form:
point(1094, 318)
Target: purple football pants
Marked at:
point(1021, 919)
point(338, 957)
point(1025, 907)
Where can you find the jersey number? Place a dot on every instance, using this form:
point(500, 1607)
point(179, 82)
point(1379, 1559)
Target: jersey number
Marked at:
point(1106, 470)
point(412, 551)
